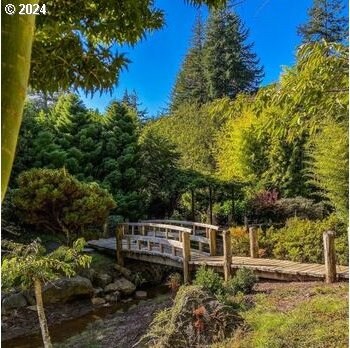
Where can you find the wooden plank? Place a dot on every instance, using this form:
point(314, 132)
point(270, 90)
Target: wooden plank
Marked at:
point(199, 239)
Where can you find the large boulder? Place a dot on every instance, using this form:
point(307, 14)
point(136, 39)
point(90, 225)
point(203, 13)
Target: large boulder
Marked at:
point(65, 289)
point(122, 285)
point(13, 301)
point(102, 279)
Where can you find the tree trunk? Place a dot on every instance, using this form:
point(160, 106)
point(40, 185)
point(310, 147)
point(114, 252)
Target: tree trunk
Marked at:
point(17, 37)
point(41, 314)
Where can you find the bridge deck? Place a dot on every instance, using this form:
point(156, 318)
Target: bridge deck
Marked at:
point(264, 268)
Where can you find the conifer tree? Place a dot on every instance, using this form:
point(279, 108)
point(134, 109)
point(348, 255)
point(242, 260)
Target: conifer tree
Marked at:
point(325, 22)
point(191, 85)
point(231, 65)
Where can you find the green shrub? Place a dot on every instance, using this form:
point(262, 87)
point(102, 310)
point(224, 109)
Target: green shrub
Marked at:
point(209, 280)
point(243, 282)
point(301, 240)
point(56, 202)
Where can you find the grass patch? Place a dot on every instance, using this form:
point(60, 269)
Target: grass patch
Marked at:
point(318, 320)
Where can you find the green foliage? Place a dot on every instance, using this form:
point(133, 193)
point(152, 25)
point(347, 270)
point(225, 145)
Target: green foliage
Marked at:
point(191, 84)
point(74, 42)
point(325, 22)
point(330, 167)
point(160, 174)
point(209, 280)
point(267, 142)
point(232, 66)
point(219, 62)
point(301, 240)
point(57, 202)
point(243, 281)
point(26, 263)
point(92, 147)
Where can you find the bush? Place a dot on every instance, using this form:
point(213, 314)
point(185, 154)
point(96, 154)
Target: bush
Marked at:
point(209, 280)
point(265, 207)
point(243, 281)
point(195, 320)
point(56, 202)
point(302, 240)
point(240, 241)
point(299, 207)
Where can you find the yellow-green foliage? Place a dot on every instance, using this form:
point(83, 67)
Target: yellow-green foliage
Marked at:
point(330, 166)
point(301, 240)
point(25, 263)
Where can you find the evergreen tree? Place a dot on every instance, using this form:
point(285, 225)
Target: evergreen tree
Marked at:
point(231, 65)
point(131, 100)
point(325, 22)
point(119, 170)
point(191, 85)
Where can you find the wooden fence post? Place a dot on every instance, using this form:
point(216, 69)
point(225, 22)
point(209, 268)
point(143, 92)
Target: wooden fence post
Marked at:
point(119, 244)
point(186, 254)
point(212, 242)
point(105, 229)
point(253, 242)
point(227, 254)
point(329, 256)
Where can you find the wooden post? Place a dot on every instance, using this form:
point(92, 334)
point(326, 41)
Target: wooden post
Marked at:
point(246, 226)
point(210, 205)
point(143, 230)
point(119, 245)
point(186, 254)
point(227, 254)
point(212, 242)
point(105, 230)
point(193, 205)
point(253, 241)
point(329, 256)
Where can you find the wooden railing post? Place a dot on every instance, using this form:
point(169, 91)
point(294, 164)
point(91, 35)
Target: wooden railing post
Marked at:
point(186, 254)
point(143, 230)
point(253, 241)
point(227, 254)
point(119, 244)
point(212, 242)
point(329, 256)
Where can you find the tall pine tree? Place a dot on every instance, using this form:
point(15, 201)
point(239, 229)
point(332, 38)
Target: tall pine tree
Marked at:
point(191, 84)
point(231, 65)
point(325, 22)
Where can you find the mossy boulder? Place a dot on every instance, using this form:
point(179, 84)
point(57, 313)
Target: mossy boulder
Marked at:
point(66, 289)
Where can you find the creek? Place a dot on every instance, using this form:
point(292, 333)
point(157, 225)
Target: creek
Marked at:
point(71, 327)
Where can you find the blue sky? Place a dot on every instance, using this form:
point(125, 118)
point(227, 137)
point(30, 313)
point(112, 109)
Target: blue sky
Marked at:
point(157, 59)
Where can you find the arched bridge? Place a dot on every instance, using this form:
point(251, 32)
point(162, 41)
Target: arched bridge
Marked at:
point(188, 245)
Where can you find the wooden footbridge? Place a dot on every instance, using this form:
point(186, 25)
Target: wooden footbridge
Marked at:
point(188, 245)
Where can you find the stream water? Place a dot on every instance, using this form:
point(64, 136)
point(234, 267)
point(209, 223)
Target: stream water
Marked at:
point(71, 327)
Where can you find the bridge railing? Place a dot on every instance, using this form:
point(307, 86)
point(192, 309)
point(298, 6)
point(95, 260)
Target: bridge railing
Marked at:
point(140, 235)
point(198, 228)
point(210, 232)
